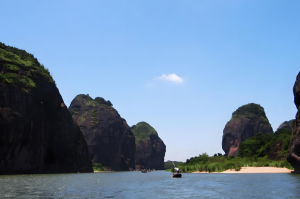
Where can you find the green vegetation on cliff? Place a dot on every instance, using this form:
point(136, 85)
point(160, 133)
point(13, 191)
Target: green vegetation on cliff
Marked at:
point(261, 144)
point(250, 110)
point(93, 102)
point(20, 68)
point(86, 100)
point(287, 124)
point(142, 130)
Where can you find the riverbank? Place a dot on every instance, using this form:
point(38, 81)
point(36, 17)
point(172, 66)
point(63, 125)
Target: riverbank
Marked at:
point(255, 170)
point(103, 171)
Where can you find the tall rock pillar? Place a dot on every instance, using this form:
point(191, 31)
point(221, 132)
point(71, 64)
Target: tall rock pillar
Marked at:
point(293, 153)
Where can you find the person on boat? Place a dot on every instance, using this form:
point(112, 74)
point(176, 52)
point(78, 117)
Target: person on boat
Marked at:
point(176, 173)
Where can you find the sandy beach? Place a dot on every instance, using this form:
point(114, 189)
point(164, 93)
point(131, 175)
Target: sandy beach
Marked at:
point(256, 170)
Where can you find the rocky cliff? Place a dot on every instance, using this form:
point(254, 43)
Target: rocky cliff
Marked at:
point(37, 133)
point(150, 149)
point(246, 121)
point(108, 136)
point(293, 153)
point(286, 125)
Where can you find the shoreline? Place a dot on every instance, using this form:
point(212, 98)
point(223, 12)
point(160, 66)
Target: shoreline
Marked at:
point(254, 170)
point(103, 171)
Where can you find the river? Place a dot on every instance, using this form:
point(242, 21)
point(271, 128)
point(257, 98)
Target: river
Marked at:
point(156, 184)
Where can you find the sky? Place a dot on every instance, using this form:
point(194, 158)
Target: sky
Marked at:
point(182, 66)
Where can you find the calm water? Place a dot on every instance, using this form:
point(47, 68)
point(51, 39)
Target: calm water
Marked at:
point(157, 184)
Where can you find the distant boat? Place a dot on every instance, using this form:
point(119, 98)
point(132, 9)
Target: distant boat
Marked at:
point(144, 170)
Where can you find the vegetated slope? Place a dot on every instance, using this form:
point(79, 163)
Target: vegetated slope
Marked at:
point(286, 124)
point(150, 149)
point(246, 121)
point(37, 133)
point(293, 154)
point(272, 145)
point(21, 69)
point(108, 136)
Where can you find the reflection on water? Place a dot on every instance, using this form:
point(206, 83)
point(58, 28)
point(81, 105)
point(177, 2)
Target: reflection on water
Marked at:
point(157, 184)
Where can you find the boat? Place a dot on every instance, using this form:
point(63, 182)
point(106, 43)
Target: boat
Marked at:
point(176, 173)
point(144, 170)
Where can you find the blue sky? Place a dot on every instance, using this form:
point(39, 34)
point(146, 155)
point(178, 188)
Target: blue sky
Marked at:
point(223, 54)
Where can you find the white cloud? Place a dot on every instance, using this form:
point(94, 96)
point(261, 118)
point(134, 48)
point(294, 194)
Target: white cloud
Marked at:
point(172, 77)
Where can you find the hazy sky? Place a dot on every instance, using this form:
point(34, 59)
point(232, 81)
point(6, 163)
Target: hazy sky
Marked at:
point(182, 66)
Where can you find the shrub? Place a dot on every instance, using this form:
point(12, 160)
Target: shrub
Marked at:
point(97, 167)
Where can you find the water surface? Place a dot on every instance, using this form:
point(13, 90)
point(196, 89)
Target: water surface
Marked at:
point(157, 184)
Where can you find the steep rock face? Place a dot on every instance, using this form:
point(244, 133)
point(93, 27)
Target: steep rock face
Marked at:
point(37, 133)
point(286, 125)
point(246, 121)
point(128, 150)
point(150, 149)
point(293, 153)
point(109, 138)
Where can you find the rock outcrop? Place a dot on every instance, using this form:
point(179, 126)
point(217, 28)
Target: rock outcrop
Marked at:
point(286, 125)
point(37, 132)
point(109, 138)
point(293, 153)
point(150, 149)
point(246, 121)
